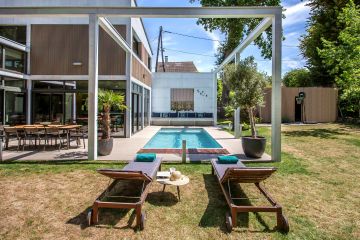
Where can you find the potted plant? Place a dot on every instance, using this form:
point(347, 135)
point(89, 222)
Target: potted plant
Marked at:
point(107, 100)
point(247, 85)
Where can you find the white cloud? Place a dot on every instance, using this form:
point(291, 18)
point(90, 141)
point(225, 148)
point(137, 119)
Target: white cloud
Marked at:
point(292, 64)
point(168, 41)
point(296, 14)
point(216, 39)
point(292, 34)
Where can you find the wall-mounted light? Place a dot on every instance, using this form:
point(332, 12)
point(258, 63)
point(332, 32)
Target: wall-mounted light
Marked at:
point(77, 64)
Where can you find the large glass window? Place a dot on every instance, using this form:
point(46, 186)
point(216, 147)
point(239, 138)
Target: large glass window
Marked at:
point(14, 60)
point(149, 63)
point(66, 101)
point(136, 46)
point(182, 99)
point(137, 107)
point(12, 101)
point(15, 108)
point(15, 33)
point(146, 107)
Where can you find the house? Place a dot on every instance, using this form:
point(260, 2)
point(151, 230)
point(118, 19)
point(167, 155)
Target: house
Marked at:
point(44, 67)
point(183, 96)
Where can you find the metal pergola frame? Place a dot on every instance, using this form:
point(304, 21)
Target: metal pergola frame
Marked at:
point(97, 17)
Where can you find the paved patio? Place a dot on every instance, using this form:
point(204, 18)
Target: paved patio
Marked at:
point(126, 148)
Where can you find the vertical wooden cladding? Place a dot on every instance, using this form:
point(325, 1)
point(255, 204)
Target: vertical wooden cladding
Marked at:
point(54, 49)
point(320, 104)
point(140, 72)
point(144, 54)
point(112, 58)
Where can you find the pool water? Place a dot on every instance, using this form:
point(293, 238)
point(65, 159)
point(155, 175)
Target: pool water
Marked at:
point(172, 138)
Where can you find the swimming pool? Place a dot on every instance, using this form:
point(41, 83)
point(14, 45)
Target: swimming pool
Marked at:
point(171, 138)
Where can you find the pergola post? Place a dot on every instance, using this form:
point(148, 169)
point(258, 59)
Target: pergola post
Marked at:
point(215, 98)
point(93, 85)
point(237, 120)
point(276, 88)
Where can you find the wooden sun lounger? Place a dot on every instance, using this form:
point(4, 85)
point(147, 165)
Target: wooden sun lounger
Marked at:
point(239, 173)
point(128, 190)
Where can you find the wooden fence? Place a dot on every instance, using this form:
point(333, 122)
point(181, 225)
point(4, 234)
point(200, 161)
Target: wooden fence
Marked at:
point(320, 105)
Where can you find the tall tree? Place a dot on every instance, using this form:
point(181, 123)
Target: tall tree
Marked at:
point(298, 78)
point(235, 29)
point(322, 24)
point(343, 57)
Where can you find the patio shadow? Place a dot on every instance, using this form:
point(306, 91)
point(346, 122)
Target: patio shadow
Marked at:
point(72, 155)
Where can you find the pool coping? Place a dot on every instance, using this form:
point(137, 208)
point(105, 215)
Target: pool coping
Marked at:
point(188, 150)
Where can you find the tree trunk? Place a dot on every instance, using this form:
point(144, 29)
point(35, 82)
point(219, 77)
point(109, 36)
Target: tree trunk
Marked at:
point(106, 123)
point(252, 122)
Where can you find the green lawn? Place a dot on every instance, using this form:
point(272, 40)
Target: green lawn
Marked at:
point(317, 184)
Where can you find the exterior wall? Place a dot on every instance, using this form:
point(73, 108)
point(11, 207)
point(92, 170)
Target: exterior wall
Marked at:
point(163, 82)
point(54, 49)
point(320, 104)
point(140, 72)
point(140, 69)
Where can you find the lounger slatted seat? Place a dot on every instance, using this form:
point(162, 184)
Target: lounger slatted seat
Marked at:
point(128, 190)
point(239, 173)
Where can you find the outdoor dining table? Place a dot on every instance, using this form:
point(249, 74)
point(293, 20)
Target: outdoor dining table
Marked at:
point(65, 128)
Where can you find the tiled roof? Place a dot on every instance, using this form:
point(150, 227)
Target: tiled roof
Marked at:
point(177, 67)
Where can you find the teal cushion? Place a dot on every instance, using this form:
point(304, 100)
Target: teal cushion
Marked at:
point(227, 159)
point(145, 157)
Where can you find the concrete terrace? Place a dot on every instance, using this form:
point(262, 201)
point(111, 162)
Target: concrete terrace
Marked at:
point(126, 148)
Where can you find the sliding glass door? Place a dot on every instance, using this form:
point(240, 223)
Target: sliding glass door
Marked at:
point(12, 101)
point(48, 107)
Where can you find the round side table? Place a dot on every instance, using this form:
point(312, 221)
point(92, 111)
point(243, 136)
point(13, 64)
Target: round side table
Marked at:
point(181, 182)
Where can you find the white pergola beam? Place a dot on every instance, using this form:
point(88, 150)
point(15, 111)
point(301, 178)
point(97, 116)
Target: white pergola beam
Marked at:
point(13, 74)
point(13, 44)
point(148, 12)
point(93, 85)
point(114, 34)
point(276, 88)
point(263, 25)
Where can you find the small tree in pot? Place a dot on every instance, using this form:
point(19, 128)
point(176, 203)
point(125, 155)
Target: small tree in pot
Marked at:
point(247, 85)
point(107, 100)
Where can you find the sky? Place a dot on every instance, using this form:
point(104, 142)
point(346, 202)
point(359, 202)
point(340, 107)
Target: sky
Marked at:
point(294, 25)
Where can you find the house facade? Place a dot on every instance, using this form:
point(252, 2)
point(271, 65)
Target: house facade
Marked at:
point(183, 96)
point(44, 68)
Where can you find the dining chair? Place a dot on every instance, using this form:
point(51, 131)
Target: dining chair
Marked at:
point(32, 135)
point(80, 133)
point(54, 133)
point(13, 133)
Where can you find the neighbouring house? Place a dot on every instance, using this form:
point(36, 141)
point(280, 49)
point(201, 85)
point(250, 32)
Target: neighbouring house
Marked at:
point(176, 66)
point(44, 67)
point(183, 96)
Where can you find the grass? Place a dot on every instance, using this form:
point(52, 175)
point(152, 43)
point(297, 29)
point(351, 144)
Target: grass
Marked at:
point(316, 183)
